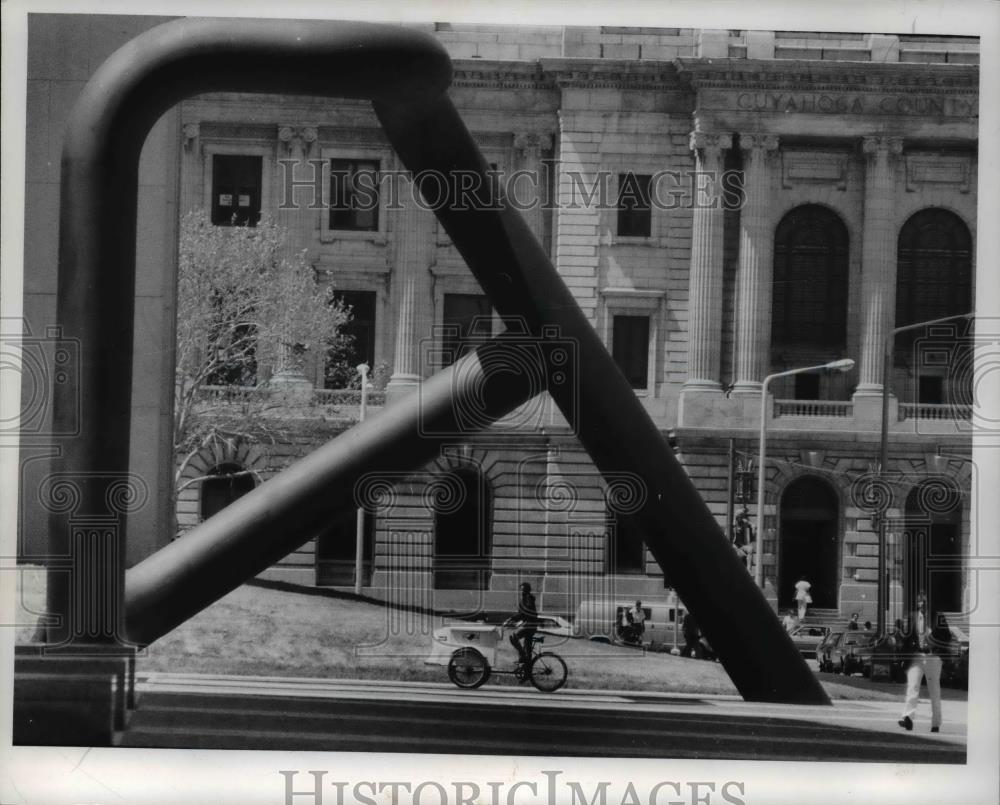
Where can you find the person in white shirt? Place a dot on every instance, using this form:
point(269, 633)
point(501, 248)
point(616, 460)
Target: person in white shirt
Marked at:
point(925, 639)
point(802, 597)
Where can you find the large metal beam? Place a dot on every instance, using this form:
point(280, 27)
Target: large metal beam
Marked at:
point(405, 75)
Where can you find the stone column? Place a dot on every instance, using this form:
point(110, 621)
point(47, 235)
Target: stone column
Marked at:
point(295, 143)
point(705, 294)
point(878, 260)
point(412, 242)
point(753, 280)
point(192, 168)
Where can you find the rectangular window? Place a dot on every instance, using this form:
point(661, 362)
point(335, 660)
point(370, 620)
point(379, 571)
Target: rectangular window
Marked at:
point(354, 195)
point(807, 386)
point(630, 348)
point(930, 390)
point(634, 213)
point(236, 183)
point(468, 322)
point(342, 364)
point(626, 552)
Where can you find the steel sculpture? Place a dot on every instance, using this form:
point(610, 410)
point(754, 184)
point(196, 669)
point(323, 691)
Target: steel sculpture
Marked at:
point(405, 74)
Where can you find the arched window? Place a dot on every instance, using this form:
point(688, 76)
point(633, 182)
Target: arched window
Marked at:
point(809, 542)
point(810, 280)
point(463, 539)
point(227, 483)
point(933, 281)
point(934, 268)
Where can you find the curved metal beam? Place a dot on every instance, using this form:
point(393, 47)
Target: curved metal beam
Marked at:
point(429, 135)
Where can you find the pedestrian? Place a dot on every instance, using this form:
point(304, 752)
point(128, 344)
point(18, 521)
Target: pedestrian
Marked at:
point(692, 648)
point(638, 621)
point(789, 620)
point(802, 597)
point(925, 638)
point(852, 625)
point(868, 626)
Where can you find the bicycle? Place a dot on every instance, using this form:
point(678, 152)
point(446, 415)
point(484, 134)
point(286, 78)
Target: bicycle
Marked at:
point(547, 671)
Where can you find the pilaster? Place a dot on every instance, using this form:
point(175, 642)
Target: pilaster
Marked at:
point(705, 294)
point(412, 244)
point(753, 280)
point(878, 260)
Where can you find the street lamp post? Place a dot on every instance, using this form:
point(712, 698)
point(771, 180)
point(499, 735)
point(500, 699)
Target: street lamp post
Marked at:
point(359, 533)
point(882, 586)
point(844, 365)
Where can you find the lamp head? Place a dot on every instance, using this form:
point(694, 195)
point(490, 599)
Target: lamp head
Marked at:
point(844, 365)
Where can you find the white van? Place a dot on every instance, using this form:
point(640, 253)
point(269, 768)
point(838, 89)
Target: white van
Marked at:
point(598, 619)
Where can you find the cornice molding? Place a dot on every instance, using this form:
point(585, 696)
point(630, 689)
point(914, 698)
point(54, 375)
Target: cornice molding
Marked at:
point(828, 76)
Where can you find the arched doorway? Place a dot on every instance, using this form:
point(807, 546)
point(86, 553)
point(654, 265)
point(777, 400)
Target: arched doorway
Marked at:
point(933, 281)
point(809, 301)
point(932, 557)
point(808, 545)
point(226, 483)
point(463, 518)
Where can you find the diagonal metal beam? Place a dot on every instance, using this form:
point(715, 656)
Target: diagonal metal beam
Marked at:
point(405, 75)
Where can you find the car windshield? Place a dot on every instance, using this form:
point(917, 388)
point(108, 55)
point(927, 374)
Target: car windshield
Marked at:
point(858, 639)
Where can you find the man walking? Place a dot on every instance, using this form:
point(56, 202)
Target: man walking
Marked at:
point(925, 639)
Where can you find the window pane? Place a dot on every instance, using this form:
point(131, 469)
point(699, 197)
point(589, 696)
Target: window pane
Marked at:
point(342, 363)
point(807, 387)
point(236, 186)
point(630, 348)
point(354, 196)
point(634, 213)
point(626, 552)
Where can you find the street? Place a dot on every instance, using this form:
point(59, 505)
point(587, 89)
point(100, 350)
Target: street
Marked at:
point(228, 712)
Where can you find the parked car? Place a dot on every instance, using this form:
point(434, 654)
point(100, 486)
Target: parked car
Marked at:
point(887, 660)
point(807, 637)
point(555, 625)
point(825, 647)
point(853, 653)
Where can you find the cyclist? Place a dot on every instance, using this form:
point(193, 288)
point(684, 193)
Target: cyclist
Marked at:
point(527, 617)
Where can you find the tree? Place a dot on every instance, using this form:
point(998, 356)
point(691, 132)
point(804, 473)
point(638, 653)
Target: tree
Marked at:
point(245, 310)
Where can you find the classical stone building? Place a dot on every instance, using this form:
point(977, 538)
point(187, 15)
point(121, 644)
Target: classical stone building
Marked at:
point(724, 205)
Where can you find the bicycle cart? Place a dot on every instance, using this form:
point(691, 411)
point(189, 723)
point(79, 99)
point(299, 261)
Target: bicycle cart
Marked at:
point(469, 667)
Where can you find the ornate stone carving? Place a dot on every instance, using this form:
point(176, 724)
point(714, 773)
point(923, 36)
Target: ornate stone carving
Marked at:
point(758, 141)
point(190, 132)
point(710, 141)
point(297, 140)
point(532, 141)
point(877, 146)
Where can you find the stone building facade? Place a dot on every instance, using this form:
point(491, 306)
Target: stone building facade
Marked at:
point(724, 205)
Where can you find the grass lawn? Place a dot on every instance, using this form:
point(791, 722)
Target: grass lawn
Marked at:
point(259, 630)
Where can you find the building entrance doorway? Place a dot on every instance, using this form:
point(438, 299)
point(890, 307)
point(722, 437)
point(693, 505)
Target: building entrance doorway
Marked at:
point(808, 543)
point(932, 558)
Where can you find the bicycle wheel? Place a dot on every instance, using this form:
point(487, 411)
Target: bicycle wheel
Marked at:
point(548, 672)
point(467, 668)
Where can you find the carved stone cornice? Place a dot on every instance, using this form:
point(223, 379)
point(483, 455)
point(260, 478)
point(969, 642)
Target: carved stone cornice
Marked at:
point(610, 74)
point(481, 74)
point(818, 76)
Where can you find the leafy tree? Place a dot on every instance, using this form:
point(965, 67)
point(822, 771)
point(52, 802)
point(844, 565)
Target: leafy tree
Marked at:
point(245, 310)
